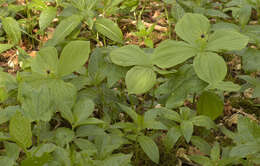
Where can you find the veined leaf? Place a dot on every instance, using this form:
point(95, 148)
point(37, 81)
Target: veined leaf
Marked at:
point(109, 29)
point(210, 67)
point(12, 29)
point(20, 130)
point(46, 17)
point(46, 62)
point(5, 47)
point(140, 79)
point(65, 27)
point(149, 147)
point(226, 86)
point(191, 27)
point(187, 129)
point(73, 56)
point(130, 55)
point(171, 53)
point(225, 39)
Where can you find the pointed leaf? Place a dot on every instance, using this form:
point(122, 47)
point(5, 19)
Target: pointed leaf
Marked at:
point(149, 147)
point(191, 27)
point(171, 53)
point(83, 109)
point(65, 27)
point(140, 79)
point(73, 56)
point(129, 55)
point(20, 130)
point(46, 17)
point(187, 130)
point(5, 47)
point(12, 29)
point(109, 29)
point(210, 67)
point(225, 39)
point(226, 86)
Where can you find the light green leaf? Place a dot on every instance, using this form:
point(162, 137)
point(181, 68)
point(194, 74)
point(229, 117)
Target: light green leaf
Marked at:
point(130, 55)
point(12, 29)
point(5, 47)
point(172, 137)
point(215, 152)
point(203, 121)
point(191, 26)
point(210, 67)
point(109, 29)
point(129, 112)
point(65, 27)
point(73, 57)
point(20, 130)
point(46, 17)
point(6, 161)
point(210, 104)
point(12, 150)
point(187, 130)
point(226, 86)
point(250, 60)
point(244, 150)
point(46, 62)
point(202, 160)
point(171, 53)
point(244, 14)
point(83, 109)
point(140, 79)
point(64, 136)
point(225, 39)
point(200, 143)
point(149, 147)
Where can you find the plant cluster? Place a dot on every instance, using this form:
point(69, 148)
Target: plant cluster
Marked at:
point(89, 99)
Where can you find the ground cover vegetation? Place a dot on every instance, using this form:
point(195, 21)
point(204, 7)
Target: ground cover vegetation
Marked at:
point(129, 82)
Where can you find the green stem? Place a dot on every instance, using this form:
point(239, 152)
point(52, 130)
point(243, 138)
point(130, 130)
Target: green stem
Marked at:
point(168, 21)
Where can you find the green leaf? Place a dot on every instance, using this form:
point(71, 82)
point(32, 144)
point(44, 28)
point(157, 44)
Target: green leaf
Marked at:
point(46, 17)
point(245, 14)
point(46, 62)
point(5, 47)
point(12, 29)
point(149, 147)
point(215, 152)
point(210, 104)
point(200, 26)
point(202, 160)
point(244, 150)
point(187, 130)
point(20, 130)
point(82, 110)
point(73, 57)
point(12, 150)
point(210, 67)
point(129, 112)
point(226, 86)
point(200, 143)
point(65, 27)
point(140, 79)
point(6, 161)
point(225, 39)
point(64, 136)
point(37, 161)
point(203, 121)
point(250, 60)
point(171, 53)
point(130, 55)
point(109, 29)
point(172, 137)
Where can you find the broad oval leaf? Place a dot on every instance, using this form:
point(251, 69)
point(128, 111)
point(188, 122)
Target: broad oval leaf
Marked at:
point(73, 56)
point(226, 86)
point(130, 55)
point(65, 27)
point(140, 79)
point(109, 29)
point(210, 104)
point(83, 109)
point(171, 53)
point(12, 29)
point(225, 39)
point(46, 62)
point(191, 27)
point(149, 147)
point(46, 17)
point(210, 67)
point(20, 130)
